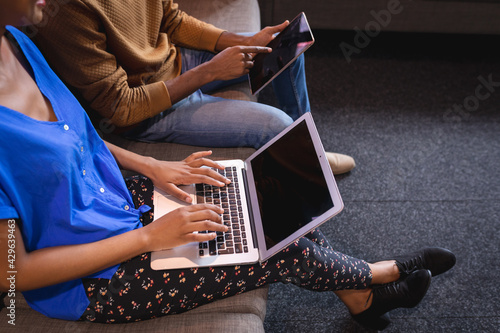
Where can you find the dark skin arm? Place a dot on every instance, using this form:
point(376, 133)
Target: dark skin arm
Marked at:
point(167, 174)
point(235, 58)
point(58, 264)
point(52, 265)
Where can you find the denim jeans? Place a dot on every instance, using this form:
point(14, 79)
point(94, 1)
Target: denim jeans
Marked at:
point(205, 120)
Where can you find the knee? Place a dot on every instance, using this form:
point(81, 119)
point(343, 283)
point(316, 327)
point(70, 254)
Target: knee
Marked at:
point(272, 126)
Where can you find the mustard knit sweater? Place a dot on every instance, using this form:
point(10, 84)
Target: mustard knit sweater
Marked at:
point(117, 53)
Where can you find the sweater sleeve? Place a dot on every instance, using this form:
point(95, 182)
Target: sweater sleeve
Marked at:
point(76, 46)
point(187, 31)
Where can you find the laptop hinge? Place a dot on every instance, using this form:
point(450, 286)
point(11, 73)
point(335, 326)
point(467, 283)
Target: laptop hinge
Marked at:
point(249, 206)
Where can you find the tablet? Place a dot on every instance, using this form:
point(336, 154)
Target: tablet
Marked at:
point(286, 47)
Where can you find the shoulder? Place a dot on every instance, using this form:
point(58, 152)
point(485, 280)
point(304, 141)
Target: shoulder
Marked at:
point(15, 35)
point(21, 40)
point(25, 45)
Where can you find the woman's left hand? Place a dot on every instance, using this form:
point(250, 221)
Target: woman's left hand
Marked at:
point(263, 37)
point(167, 175)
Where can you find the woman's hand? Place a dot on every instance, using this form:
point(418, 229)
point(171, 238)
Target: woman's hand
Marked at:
point(167, 175)
point(178, 227)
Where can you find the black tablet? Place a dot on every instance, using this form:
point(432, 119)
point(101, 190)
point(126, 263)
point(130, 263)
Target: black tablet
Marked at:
point(286, 47)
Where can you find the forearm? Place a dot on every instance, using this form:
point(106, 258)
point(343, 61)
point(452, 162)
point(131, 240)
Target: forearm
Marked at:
point(190, 81)
point(128, 160)
point(77, 261)
point(228, 39)
point(58, 264)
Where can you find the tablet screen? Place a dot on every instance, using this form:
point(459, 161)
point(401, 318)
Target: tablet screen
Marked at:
point(286, 47)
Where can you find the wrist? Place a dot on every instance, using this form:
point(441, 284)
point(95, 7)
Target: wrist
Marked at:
point(228, 39)
point(204, 73)
point(143, 240)
point(149, 167)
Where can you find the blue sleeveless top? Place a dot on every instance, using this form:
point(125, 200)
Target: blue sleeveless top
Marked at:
point(61, 181)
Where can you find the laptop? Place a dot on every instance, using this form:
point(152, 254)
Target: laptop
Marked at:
point(280, 193)
point(294, 40)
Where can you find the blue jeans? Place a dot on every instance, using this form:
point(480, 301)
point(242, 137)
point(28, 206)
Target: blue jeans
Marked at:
point(205, 120)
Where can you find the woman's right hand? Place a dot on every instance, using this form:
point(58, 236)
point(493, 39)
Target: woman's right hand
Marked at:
point(179, 226)
point(56, 264)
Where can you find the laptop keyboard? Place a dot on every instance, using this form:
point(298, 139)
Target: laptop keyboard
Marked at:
point(234, 240)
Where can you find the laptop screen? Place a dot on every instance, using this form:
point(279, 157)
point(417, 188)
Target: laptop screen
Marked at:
point(291, 188)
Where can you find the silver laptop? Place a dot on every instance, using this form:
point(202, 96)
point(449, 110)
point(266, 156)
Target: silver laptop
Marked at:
point(280, 193)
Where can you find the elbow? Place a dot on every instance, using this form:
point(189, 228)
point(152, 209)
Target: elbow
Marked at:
point(122, 119)
point(14, 282)
point(4, 286)
point(121, 106)
point(119, 117)
point(8, 284)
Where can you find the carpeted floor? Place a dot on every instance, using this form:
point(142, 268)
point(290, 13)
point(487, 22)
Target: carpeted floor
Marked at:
point(417, 113)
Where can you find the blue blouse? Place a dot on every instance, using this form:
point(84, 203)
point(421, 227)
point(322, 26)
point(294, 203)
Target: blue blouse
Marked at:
point(62, 182)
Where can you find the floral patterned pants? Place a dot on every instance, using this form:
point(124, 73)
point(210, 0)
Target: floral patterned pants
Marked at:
point(136, 292)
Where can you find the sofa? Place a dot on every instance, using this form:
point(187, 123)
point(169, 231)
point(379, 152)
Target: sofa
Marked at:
point(241, 313)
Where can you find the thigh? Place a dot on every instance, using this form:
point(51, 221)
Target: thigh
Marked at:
point(204, 120)
point(141, 188)
point(136, 292)
point(193, 58)
point(317, 237)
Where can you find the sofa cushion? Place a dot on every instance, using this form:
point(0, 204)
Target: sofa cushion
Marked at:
point(232, 15)
point(241, 313)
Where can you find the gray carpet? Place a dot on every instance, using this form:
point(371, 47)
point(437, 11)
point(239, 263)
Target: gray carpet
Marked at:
point(426, 175)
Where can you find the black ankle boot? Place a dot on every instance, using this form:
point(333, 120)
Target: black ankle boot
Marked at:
point(368, 320)
point(435, 259)
point(406, 293)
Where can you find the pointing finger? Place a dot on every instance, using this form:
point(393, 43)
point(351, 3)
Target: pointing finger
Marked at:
point(255, 49)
